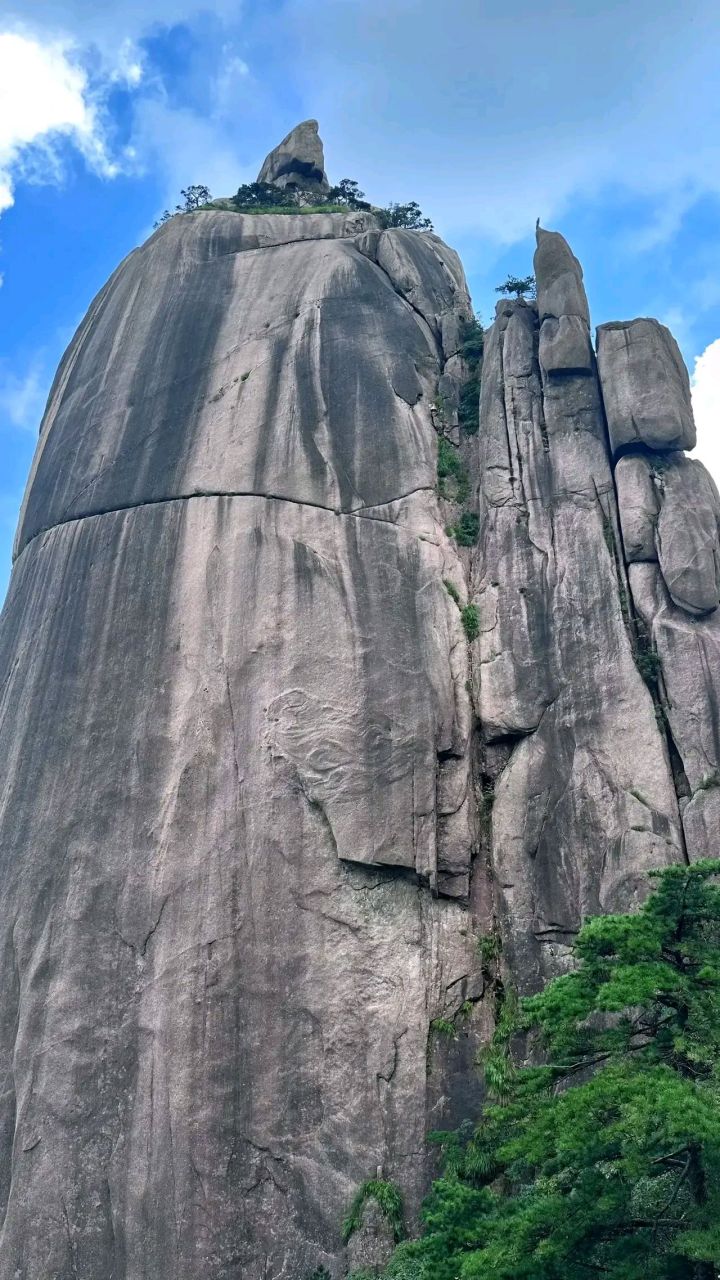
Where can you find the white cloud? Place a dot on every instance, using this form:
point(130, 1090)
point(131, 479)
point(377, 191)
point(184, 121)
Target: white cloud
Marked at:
point(58, 68)
point(23, 396)
point(507, 112)
point(485, 130)
point(705, 384)
point(108, 25)
point(185, 148)
point(44, 97)
point(128, 65)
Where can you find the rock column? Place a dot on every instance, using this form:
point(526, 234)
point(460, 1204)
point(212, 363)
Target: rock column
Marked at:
point(670, 517)
point(576, 765)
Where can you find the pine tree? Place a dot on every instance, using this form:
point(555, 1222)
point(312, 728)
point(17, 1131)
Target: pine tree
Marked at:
point(405, 215)
point(519, 286)
point(347, 192)
point(604, 1160)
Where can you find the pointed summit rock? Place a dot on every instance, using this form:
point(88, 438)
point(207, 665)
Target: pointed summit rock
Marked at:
point(562, 307)
point(560, 289)
point(298, 161)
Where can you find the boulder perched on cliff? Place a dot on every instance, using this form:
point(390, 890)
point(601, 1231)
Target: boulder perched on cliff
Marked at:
point(645, 386)
point(562, 309)
point(297, 161)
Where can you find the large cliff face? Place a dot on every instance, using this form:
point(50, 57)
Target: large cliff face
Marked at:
point(247, 847)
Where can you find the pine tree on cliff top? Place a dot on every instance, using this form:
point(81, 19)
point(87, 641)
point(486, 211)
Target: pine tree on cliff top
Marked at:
point(606, 1160)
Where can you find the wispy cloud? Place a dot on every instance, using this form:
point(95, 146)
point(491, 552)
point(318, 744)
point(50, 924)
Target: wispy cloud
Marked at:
point(502, 131)
point(61, 66)
point(488, 129)
point(23, 395)
point(184, 148)
point(107, 25)
point(705, 383)
point(45, 97)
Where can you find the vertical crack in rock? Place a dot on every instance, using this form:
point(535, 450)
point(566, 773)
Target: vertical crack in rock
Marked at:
point(670, 518)
point(556, 663)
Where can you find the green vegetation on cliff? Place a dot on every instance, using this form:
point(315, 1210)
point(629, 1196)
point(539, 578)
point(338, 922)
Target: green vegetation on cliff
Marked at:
point(267, 197)
point(606, 1159)
point(386, 1196)
point(453, 476)
point(518, 287)
point(472, 341)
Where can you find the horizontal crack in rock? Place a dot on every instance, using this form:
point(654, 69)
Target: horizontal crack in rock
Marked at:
point(357, 512)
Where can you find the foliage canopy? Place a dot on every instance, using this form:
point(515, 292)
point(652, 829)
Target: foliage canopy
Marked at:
point(266, 197)
point(348, 193)
point(604, 1160)
point(386, 1196)
point(519, 286)
point(472, 341)
point(453, 477)
point(405, 215)
point(193, 197)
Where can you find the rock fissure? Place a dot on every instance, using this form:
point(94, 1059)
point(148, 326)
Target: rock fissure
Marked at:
point(401, 293)
point(248, 493)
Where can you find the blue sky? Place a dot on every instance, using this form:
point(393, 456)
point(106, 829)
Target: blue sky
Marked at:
point(602, 119)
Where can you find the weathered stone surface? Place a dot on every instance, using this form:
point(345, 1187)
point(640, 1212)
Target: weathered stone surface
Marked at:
point(263, 230)
point(559, 278)
point(565, 346)
point(688, 534)
point(230, 668)
point(701, 819)
point(297, 161)
point(260, 1007)
point(553, 668)
point(639, 506)
point(275, 361)
point(428, 275)
point(370, 1247)
point(645, 386)
point(688, 650)
point(258, 794)
point(670, 511)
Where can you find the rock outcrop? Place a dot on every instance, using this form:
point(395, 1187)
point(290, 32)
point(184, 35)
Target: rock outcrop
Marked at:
point(297, 161)
point(233, 676)
point(646, 386)
point(584, 802)
point(263, 791)
point(670, 514)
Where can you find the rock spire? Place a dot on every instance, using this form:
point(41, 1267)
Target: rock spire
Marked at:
point(297, 161)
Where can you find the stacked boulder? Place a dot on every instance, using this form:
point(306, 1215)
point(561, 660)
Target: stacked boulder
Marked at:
point(670, 518)
point(574, 760)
